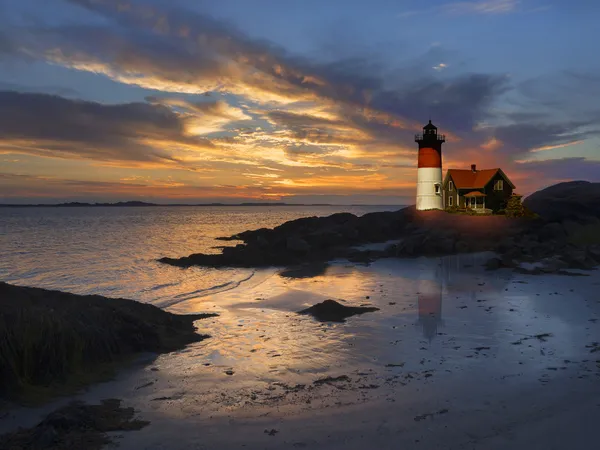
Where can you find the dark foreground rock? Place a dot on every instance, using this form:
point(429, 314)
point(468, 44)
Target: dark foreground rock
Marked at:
point(75, 426)
point(51, 339)
point(332, 311)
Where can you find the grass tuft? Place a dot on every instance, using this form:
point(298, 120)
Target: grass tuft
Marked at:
point(51, 339)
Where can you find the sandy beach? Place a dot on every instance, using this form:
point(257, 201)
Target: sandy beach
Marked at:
point(456, 358)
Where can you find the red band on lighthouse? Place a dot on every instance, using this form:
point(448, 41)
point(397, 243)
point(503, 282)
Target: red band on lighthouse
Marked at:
point(429, 157)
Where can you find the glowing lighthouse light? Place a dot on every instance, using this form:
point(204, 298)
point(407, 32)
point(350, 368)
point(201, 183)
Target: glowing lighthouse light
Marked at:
point(429, 172)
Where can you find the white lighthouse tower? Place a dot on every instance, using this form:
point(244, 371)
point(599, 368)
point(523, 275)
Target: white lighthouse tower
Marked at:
point(429, 172)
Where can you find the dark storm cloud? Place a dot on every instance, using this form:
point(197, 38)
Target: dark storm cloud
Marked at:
point(50, 125)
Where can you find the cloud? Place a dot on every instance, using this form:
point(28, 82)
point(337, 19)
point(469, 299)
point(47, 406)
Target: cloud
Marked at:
point(128, 134)
point(31, 188)
point(553, 147)
point(533, 137)
point(482, 7)
point(175, 50)
point(487, 7)
point(38, 187)
point(540, 174)
point(204, 117)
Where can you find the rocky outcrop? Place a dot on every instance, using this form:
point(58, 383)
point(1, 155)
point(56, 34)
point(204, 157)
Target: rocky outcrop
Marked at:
point(577, 201)
point(569, 221)
point(318, 239)
point(305, 240)
point(332, 311)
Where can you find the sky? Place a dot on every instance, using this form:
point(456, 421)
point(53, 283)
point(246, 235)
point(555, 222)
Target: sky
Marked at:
point(187, 101)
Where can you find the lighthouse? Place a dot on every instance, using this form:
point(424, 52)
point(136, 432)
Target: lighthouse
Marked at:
point(429, 172)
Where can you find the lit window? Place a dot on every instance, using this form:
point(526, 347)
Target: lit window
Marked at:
point(451, 186)
point(499, 185)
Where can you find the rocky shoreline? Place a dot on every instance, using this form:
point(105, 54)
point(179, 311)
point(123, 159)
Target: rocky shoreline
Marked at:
point(565, 235)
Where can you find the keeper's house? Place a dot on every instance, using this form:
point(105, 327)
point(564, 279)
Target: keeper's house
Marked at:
point(482, 190)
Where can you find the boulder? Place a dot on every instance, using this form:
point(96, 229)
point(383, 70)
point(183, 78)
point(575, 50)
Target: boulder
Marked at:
point(332, 311)
point(305, 270)
point(571, 200)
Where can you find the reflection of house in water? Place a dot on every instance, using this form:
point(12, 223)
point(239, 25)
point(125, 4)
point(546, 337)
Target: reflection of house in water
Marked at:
point(451, 275)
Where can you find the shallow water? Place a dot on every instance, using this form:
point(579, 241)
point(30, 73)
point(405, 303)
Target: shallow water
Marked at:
point(442, 322)
point(454, 354)
point(112, 251)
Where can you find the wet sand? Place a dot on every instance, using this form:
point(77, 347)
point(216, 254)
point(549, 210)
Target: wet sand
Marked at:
point(456, 358)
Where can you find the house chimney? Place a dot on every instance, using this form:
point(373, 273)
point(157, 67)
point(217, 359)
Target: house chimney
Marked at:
point(473, 168)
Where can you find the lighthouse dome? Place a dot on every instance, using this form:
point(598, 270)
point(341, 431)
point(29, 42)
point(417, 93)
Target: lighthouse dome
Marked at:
point(430, 126)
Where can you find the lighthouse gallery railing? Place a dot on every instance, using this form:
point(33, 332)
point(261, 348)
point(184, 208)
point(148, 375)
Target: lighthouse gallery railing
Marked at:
point(438, 137)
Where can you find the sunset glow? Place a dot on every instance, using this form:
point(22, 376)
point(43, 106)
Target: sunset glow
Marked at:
point(108, 100)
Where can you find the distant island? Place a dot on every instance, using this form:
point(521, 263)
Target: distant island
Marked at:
point(138, 203)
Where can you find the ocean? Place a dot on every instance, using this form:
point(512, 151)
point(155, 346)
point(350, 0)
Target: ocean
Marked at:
point(112, 251)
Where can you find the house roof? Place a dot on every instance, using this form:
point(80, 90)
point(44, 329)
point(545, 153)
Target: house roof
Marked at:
point(475, 194)
point(467, 179)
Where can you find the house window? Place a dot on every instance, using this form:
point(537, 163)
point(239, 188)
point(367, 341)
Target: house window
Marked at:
point(450, 200)
point(451, 186)
point(437, 188)
point(499, 185)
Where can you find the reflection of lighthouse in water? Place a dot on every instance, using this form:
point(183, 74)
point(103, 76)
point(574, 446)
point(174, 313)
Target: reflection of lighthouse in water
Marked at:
point(450, 276)
point(430, 312)
point(430, 296)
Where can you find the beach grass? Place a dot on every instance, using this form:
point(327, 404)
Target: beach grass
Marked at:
point(52, 342)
